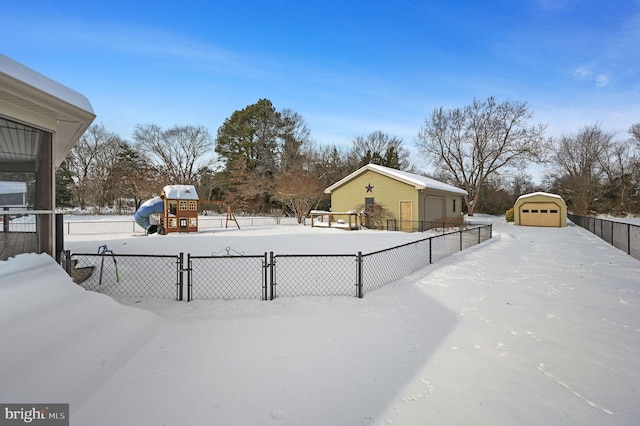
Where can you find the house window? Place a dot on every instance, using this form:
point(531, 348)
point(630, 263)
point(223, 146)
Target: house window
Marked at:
point(193, 205)
point(454, 205)
point(193, 222)
point(183, 205)
point(173, 206)
point(173, 222)
point(368, 204)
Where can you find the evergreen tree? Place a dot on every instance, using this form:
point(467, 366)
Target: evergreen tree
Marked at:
point(64, 184)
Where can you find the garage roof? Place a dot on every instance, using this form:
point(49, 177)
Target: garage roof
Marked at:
point(33, 99)
point(534, 194)
point(417, 181)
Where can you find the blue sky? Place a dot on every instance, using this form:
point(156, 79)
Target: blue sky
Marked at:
point(348, 67)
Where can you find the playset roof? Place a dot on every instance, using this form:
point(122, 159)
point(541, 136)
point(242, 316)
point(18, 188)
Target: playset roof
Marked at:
point(180, 192)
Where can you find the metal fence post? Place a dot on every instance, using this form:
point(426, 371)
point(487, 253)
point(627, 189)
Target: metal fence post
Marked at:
point(59, 242)
point(601, 222)
point(67, 261)
point(359, 292)
point(272, 276)
point(430, 251)
point(612, 242)
point(628, 239)
point(460, 240)
point(179, 295)
point(189, 279)
point(265, 277)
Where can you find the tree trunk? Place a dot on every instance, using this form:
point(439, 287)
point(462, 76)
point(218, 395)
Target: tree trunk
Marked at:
point(469, 204)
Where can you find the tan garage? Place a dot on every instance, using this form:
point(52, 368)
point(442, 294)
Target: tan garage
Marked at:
point(540, 209)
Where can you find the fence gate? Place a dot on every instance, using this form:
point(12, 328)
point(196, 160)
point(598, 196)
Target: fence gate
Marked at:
point(227, 277)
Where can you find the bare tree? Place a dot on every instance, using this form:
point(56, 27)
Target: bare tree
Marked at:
point(620, 169)
point(580, 161)
point(178, 153)
point(89, 162)
point(471, 144)
point(299, 185)
point(634, 131)
point(300, 190)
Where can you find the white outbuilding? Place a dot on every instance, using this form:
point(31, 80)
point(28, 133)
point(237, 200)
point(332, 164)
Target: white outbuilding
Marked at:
point(540, 209)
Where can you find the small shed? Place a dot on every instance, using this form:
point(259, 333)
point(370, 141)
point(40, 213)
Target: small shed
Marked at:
point(180, 208)
point(540, 209)
point(413, 200)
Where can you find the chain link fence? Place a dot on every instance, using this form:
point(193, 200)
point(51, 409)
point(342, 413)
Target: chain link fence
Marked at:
point(122, 226)
point(442, 226)
point(265, 276)
point(386, 266)
point(126, 275)
point(227, 277)
point(623, 236)
point(314, 275)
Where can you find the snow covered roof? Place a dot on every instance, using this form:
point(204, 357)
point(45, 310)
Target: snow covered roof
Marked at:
point(417, 181)
point(535, 194)
point(180, 192)
point(43, 83)
point(31, 98)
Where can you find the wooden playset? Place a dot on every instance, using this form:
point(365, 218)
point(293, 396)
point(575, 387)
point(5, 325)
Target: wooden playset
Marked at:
point(180, 209)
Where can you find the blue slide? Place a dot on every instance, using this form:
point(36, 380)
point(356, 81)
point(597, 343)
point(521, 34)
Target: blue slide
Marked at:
point(141, 216)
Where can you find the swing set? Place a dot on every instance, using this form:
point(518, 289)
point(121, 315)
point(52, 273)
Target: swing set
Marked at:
point(230, 215)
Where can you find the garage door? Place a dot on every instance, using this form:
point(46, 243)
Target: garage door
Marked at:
point(406, 216)
point(434, 208)
point(540, 214)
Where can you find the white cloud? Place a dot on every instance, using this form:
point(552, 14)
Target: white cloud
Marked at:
point(602, 80)
point(582, 72)
point(586, 73)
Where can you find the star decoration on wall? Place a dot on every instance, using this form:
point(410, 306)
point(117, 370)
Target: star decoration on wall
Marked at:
point(369, 188)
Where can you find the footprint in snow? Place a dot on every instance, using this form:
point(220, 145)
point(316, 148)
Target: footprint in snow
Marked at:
point(502, 348)
point(278, 414)
point(543, 369)
point(530, 334)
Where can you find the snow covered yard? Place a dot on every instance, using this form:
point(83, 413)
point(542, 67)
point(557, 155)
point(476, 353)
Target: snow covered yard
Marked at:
point(537, 326)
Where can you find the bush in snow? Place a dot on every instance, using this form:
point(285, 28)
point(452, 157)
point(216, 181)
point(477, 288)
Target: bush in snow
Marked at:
point(509, 215)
